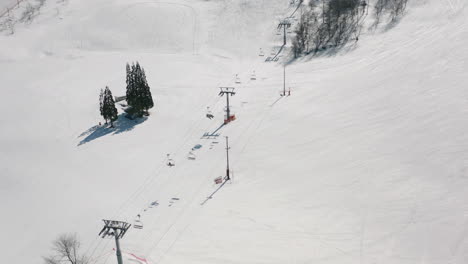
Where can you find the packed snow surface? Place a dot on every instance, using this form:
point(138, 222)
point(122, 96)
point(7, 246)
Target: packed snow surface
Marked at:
point(365, 162)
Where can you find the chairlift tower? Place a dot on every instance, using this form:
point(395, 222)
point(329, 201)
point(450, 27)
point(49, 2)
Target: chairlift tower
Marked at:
point(227, 159)
point(228, 91)
point(284, 80)
point(284, 83)
point(116, 229)
point(284, 24)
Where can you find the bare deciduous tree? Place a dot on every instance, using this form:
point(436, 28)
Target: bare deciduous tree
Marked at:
point(65, 250)
point(28, 14)
point(333, 23)
point(8, 24)
point(394, 8)
point(340, 21)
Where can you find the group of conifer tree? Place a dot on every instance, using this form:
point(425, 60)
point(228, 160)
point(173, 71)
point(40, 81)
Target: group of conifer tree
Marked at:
point(107, 106)
point(138, 96)
point(138, 91)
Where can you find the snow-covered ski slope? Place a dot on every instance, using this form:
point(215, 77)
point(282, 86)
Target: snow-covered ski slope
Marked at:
point(366, 161)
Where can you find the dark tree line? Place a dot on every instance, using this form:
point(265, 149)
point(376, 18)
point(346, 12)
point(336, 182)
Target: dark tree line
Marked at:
point(333, 23)
point(138, 94)
point(107, 106)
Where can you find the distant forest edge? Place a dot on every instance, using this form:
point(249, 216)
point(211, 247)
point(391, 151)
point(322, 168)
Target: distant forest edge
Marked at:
point(332, 24)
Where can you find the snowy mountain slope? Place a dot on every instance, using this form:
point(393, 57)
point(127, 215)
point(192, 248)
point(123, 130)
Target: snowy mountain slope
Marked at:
point(364, 163)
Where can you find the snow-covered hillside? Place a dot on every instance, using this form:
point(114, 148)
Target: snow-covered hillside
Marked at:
point(366, 161)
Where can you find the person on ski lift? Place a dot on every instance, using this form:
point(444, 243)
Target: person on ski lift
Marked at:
point(170, 162)
point(209, 114)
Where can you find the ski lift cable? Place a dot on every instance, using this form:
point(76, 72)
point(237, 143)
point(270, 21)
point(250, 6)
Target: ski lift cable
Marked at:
point(93, 245)
point(108, 257)
point(247, 141)
point(151, 178)
point(178, 219)
point(94, 250)
point(162, 256)
point(179, 235)
point(202, 183)
point(188, 205)
point(157, 218)
point(180, 215)
point(94, 260)
point(187, 137)
point(260, 121)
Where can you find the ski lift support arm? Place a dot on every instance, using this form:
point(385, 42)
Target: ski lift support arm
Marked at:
point(226, 90)
point(119, 229)
point(116, 229)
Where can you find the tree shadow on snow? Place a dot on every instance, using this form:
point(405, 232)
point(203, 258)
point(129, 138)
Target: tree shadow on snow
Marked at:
point(329, 51)
point(122, 124)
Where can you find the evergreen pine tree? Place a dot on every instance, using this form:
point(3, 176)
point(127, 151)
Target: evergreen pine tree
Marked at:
point(147, 100)
point(138, 91)
point(109, 112)
point(101, 103)
point(131, 91)
point(128, 74)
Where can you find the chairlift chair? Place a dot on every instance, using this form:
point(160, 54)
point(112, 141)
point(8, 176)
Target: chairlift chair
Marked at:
point(170, 162)
point(138, 224)
point(197, 146)
point(261, 54)
point(209, 114)
point(253, 77)
point(191, 156)
point(237, 79)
